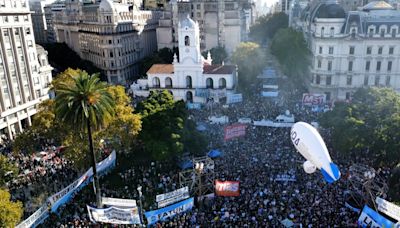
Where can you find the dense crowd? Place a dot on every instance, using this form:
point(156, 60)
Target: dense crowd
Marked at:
point(256, 160)
point(41, 175)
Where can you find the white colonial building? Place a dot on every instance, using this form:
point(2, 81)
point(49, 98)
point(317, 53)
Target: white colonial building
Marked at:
point(25, 73)
point(114, 36)
point(192, 78)
point(354, 49)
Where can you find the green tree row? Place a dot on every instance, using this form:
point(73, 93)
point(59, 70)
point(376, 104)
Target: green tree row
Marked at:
point(369, 127)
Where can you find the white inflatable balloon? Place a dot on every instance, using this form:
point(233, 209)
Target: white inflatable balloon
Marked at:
point(309, 167)
point(311, 146)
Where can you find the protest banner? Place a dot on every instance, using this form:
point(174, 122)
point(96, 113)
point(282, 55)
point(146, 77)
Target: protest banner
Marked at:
point(63, 196)
point(114, 215)
point(234, 98)
point(172, 197)
point(313, 99)
point(234, 131)
point(118, 202)
point(169, 211)
point(36, 218)
point(191, 106)
point(388, 208)
point(227, 188)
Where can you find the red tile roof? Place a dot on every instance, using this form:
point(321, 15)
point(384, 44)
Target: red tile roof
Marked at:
point(219, 69)
point(161, 69)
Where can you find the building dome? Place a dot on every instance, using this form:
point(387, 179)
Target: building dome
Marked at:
point(106, 5)
point(330, 11)
point(187, 22)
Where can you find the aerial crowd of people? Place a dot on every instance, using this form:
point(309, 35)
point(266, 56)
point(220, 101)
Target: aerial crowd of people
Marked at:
point(255, 160)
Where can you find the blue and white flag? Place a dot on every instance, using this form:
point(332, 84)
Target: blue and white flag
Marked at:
point(371, 218)
point(36, 218)
point(168, 212)
point(63, 196)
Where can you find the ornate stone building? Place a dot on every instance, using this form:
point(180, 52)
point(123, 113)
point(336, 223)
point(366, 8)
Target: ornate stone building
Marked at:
point(114, 36)
point(354, 49)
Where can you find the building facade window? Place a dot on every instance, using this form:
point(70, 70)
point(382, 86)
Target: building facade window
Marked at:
point(330, 50)
point(332, 32)
point(329, 65)
point(318, 79)
point(328, 96)
point(367, 65)
point(378, 65)
point(320, 49)
point(348, 95)
point(319, 63)
point(380, 50)
point(328, 80)
point(187, 41)
point(389, 66)
point(350, 66)
point(391, 50)
point(349, 80)
point(351, 50)
point(188, 82)
point(369, 50)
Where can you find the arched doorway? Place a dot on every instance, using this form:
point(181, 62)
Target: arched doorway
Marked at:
point(222, 83)
point(168, 82)
point(189, 96)
point(209, 83)
point(156, 82)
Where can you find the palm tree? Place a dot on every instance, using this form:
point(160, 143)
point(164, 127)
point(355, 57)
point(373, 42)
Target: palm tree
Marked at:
point(84, 104)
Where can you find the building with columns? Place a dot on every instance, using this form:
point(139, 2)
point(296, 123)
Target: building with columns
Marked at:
point(113, 36)
point(25, 73)
point(222, 23)
point(193, 78)
point(352, 49)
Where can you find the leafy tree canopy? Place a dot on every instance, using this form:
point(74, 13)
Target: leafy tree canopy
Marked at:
point(218, 54)
point(250, 61)
point(8, 170)
point(120, 132)
point(368, 126)
point(266, 26)
point(10, 212)
point(290, 48)
point(167, 132)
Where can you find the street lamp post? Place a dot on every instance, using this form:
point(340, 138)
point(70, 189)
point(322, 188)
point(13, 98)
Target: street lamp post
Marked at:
point(139, 188)
point(199, 167)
